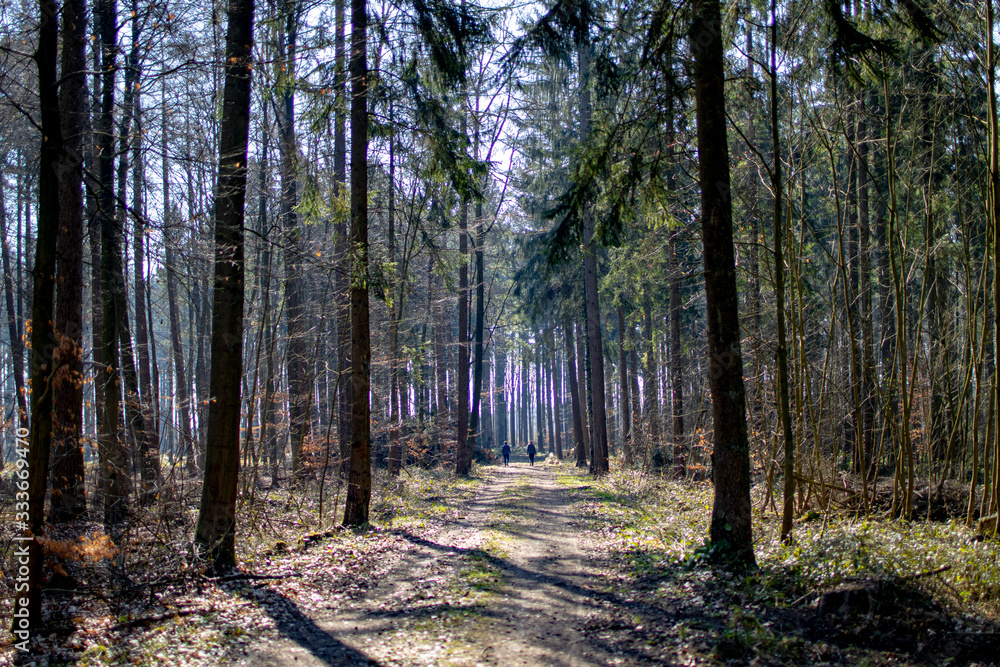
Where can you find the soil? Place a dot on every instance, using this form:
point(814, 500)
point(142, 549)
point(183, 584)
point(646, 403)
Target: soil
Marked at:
point(525, 564)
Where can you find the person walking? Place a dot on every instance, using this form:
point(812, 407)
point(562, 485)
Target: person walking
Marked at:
point(531, 453)
point(505, 450)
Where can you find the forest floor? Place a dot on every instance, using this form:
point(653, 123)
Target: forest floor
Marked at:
point(546, 566)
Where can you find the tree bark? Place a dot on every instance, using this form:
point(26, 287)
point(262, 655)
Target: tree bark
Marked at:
point(136, 412)
point(575, 398)
point(395, 312)
point(341, 245)
point(68, 492)
point(867, 316)
point(463, 457)
point(441, 366)
point(788, 505)
point(651, 381)
point(296, 356)
point(500, 382)
point(182, 398)
point(625, 400)
point(216, 529)
point(13, 326)
point(994, 223)
point(556, 409)
point(115, 475)
point(475, 419)
point(638, 416)
point(42, 316)
point(731, 530)
point(599, 435)
point(586, 413)
point(359, 483)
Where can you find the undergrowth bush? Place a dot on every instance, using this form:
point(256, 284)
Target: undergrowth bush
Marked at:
point(651, 522)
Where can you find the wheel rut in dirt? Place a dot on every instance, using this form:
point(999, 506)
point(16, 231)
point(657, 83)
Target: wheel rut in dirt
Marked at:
point(506, 581)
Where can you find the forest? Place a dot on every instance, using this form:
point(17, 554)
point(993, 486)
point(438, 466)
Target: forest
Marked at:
point(283, 280)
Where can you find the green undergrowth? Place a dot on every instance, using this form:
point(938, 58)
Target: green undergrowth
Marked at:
point(657, 521)
point(651, 535)
point(651, 522)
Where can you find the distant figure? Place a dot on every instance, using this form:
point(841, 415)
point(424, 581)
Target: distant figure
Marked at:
point(505, 450)
point(531, 453)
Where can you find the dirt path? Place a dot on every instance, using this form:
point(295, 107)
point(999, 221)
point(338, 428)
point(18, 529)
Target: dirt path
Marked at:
point(505, 582)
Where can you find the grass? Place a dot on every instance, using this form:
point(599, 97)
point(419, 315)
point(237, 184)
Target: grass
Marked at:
point(652, 534)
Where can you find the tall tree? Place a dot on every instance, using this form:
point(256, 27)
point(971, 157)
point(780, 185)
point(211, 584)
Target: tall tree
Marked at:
point(500, 383)
point(731, 530)
point(575, 396)
point(114, 473)
point(13, 321)
point(216, 529)
point(625, 401)
point(42, 316)
point(994, 224)
point(595, 344)
point(359, 481)
point(341, 244)
point(463, 454)
point(296, 356)
point(784, 411)
point(68, 492)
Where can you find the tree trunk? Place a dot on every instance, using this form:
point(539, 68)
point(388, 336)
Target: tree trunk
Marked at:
point(586, 413)
point(626, 400)
point(216, 529)
point(395, 312)
point(13, 326)
point(731, 530)
point(182, 397)
point(68, 492)
point(42, 316)
point(296, 356)
point(93, 191)
point(887, 322)
point(136, 414)
point(143, 333)
point(633, 383)
point(575, 398)
point(784, 411)
point(676, 365)
point(359, 484)
point(556, 409)
point(599, 445)
point(525, 413)
point(540, 398)
point(994, 223)
point(651, 380)
point(341, 245)
point(115, 474)
point(441, 365)
point(867, 316)
point(475, 419)
point(500, 364)
point(463, 457)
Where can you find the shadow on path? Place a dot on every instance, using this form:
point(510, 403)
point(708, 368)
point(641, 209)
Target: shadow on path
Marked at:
point(297, 626)
point(530, 577)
